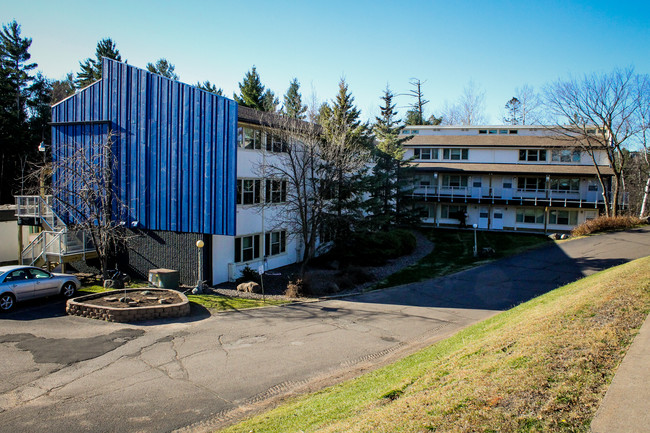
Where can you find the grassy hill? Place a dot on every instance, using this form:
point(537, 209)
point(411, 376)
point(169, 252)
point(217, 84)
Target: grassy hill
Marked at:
point(543, 366)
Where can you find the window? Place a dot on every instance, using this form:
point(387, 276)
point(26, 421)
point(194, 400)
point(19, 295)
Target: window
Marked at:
point(249, 138)
point(275, 243)
point(276, 191)
point(513, 131)
point(565, 185)
point(507, 184)
point(503, 131)
point(39, 274)
point(477, 184)
point(275, 144)
point(247, 248)
point(532, 155)
point(249, 191)
point(563, 217)
point(482, 131)
point(452, 211)
point(425, 153)
point(532, 216)
point(565, 155)
point(423, 180)
point(492, 131)
point(592, 188)
point(531, 183)
point(455, 154)
point(454, 181)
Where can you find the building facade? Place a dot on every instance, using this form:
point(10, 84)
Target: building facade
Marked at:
point(504, 178)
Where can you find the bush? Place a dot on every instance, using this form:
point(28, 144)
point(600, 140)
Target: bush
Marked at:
point(603, 224)
point(248, 274)
point(373, 249)
point(298, 287)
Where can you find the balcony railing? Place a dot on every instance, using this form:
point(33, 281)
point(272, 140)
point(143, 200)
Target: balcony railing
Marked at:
point(35, 206)
point(550, 197)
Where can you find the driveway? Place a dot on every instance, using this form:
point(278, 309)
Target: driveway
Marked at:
point(63, 373)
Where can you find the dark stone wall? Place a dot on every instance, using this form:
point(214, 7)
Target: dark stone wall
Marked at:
point(162, 249)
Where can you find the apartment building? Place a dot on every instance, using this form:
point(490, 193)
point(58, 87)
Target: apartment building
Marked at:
point(188, 166)
point(504, 178)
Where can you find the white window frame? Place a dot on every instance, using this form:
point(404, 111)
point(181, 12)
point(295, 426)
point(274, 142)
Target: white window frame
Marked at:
point(241, 249)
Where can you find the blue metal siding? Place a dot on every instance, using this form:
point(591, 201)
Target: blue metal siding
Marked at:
point(175, 146)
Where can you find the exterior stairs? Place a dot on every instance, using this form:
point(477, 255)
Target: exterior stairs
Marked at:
point(56, 243)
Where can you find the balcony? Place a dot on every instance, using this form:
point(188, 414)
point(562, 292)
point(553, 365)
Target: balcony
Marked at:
point(500, 195)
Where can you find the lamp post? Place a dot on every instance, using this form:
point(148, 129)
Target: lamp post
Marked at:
point(475, 243)
point(199, 283)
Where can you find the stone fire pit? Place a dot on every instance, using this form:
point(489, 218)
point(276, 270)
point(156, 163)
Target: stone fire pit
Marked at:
point(130, 305)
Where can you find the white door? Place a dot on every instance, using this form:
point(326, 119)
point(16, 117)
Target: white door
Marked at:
point(497, 218)
point(506, 189)
point(483, 217)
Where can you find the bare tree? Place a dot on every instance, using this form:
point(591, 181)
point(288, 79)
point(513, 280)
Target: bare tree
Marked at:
point(599, 115)
point(301, 164)
point(85, 195)
point(470, 108)
point(530, 105)
point(643, 116)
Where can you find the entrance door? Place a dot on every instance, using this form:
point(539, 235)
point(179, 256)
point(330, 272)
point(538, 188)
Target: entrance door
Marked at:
point(497, 218)
point(483, 217)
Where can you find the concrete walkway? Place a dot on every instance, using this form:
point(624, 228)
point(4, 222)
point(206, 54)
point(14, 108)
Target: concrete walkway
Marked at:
point(626, 406)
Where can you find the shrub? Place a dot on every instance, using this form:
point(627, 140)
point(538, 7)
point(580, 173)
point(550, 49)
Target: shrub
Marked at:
point(603, 223)
point(248, 274)
point(373, 249)
point(358, 275)
point(298, 287)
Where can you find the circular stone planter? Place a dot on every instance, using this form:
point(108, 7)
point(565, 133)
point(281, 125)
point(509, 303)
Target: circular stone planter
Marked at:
point(96, 306)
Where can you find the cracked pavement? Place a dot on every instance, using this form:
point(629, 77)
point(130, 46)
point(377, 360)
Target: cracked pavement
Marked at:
point(62, 373)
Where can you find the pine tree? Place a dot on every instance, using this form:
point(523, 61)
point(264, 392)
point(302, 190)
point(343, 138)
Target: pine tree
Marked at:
point(61, 89)
point(513, 112)
point(209, 87)
point(15, 90)
point(270, 102)
point(389, 203)
point(345, 151)
point(163, 67)
point(91, 69)
point(293, 106)
point(251, 91)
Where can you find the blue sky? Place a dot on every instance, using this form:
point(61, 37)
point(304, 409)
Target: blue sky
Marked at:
point(500, 45)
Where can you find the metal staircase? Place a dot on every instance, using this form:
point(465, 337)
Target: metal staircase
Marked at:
point(57, 243)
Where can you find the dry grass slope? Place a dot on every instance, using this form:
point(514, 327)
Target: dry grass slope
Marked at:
point(604, 224)
point(543, 366)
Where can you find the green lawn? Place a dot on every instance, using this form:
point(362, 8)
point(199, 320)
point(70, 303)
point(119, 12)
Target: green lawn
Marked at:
point(543, 366)
point(454, 251)
point(211, 302)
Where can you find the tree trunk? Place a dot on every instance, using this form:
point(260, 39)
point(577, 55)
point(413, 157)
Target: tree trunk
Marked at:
point(646, 193)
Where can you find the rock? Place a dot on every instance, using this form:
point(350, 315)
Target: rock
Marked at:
point(152, 298)
point(146, 292)
point(164, 301)
point(197, 291)
point(331, 287)
point(250, 287)
point(125, 299)
point(110, 299)
point(564, 236)
point(554, 236)
point(113, 284)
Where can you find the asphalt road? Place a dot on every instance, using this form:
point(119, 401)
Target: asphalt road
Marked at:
point(62, 374)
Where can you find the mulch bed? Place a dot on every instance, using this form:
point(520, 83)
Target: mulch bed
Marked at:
point(144, 298)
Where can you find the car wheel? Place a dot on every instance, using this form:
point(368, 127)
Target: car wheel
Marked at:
point(7, 302)
point(68, 290)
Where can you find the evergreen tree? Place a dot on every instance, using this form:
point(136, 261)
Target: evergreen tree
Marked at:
point(61, 89)
point(16, 145)
point(251, 91)
point(163, 67)
point(389, 202)
point(91, 69)
point(293, 106)
point(345, 153)
point(513, 112)
point(270, 102)
point(209, 87)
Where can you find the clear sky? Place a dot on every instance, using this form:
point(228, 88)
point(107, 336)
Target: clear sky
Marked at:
point(500, 45)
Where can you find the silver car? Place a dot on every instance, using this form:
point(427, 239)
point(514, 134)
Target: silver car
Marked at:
point(19, 283)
